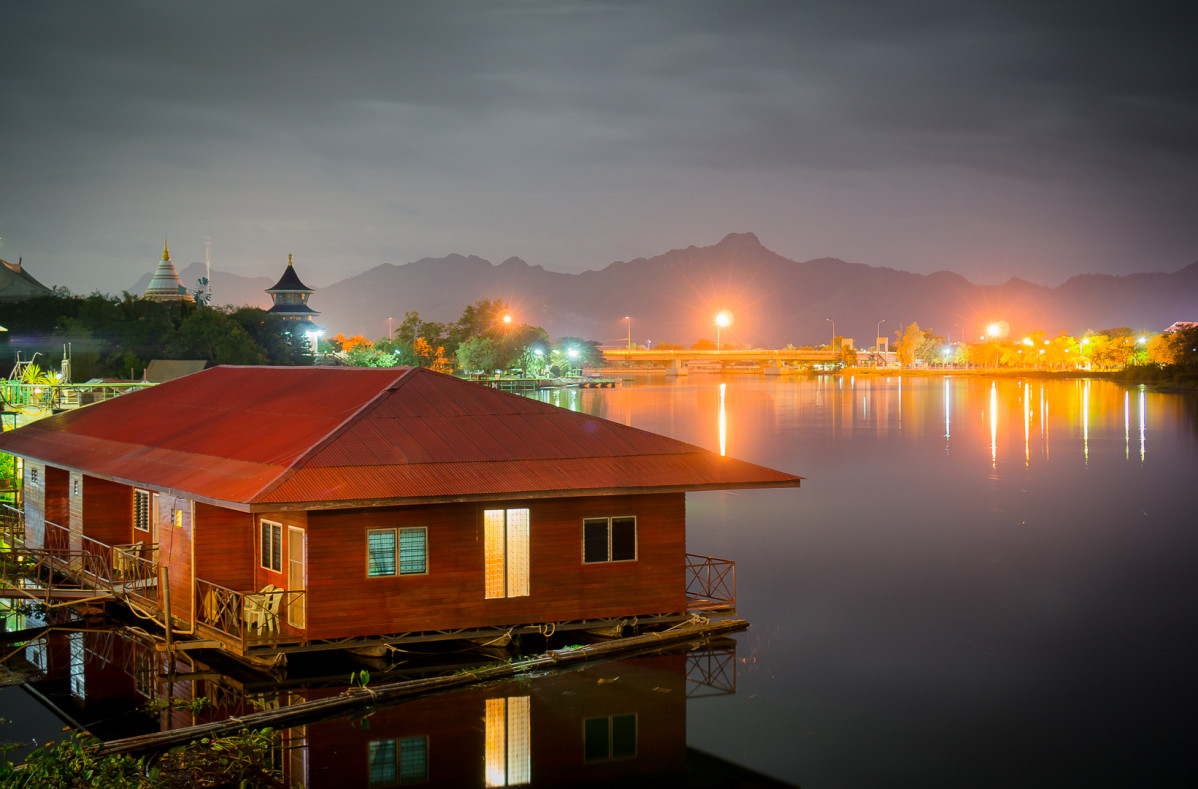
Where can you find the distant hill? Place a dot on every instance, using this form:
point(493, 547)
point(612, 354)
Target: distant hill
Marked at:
point(673, 297)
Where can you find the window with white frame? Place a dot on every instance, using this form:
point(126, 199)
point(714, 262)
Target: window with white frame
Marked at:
point(272, 546)
point(141, 510)
point(396, 551)
point(609, 539)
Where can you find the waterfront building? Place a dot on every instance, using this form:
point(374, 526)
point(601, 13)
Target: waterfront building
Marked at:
point(165, 285)
point(300, 508)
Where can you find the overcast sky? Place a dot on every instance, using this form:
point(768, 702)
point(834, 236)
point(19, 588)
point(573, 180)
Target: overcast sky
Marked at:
point(1032, 139)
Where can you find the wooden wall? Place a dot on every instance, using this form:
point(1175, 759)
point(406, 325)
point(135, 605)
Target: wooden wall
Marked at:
point(175, 553)
point(58, 500)
point(343, 601)
point(108, 512)
point(224, 550)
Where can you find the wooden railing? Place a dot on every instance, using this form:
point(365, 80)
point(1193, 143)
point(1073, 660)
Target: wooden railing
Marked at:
point(247, 617)
point(48, 575)
point(710, 582)
point(12, 526)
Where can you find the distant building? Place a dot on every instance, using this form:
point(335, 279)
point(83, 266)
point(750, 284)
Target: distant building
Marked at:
point(17, 285)
point(1181, 326)
point(165, 285)
point(291, 297)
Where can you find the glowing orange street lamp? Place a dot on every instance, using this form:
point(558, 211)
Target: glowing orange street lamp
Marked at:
point(629, 319)
point(507, 318)
point(994, 330)
point(723, 319)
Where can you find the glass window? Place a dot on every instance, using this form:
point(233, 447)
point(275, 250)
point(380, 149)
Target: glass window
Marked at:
point(380, 552)
point(272, 546)
point(412, 551)
point(609, 539)
point(141, 510)
point(506, 549)
point(397, 551)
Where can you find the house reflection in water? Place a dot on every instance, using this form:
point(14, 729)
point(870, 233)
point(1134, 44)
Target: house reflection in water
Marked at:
point(615, 721)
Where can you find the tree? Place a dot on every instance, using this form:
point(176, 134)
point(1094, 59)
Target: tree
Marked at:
point(214, 336)
point(908, 344)
point(589, 354)
point(479, 354)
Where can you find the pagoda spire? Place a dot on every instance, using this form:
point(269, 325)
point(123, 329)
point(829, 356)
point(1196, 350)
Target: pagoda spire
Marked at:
point(166, 251)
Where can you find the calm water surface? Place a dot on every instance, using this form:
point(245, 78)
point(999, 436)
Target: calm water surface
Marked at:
point(980, 582)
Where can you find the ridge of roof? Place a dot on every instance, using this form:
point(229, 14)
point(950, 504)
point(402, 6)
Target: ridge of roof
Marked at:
point(337, 431)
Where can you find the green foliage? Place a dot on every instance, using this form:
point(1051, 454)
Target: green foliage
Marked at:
point(479, 354)
point(240, 759)
point(194, 706)
point(359, 679)
point(110, 335)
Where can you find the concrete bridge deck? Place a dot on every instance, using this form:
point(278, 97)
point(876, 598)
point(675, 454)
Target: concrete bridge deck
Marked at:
point(773, 362)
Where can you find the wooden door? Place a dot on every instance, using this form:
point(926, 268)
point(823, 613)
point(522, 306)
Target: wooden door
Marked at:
point(296, 577)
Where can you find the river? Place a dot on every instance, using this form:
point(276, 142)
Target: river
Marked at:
point(982, 582)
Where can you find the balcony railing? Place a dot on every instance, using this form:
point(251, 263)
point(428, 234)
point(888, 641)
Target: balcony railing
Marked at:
point(12, 526)
point(710, 583)
point(249, 618)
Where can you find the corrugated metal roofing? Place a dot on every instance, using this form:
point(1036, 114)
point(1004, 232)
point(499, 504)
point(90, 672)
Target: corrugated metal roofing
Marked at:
point(315, 436)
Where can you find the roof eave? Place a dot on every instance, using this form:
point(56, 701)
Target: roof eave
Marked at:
point(412, 501)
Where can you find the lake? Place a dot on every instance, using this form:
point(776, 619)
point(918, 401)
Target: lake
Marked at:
point(983, 582)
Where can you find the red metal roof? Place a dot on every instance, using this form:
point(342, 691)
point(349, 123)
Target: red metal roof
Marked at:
point(274, 437)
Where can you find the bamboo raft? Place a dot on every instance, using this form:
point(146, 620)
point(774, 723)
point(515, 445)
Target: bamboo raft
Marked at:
point(356, 697)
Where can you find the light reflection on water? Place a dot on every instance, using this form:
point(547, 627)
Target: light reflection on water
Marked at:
point(946, 600)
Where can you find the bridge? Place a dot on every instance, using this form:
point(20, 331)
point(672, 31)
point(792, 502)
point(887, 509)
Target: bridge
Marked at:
point(771, 362)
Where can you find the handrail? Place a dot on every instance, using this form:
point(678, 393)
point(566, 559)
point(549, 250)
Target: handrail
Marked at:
point(710, 580)
point(248, 617)
point(12, 525)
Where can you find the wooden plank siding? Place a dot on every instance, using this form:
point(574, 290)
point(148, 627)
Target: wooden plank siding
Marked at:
point(175, 553)
point(57, 495)
point(343, 601)
point(224, 547)
point(108, 512)
point(35, 505)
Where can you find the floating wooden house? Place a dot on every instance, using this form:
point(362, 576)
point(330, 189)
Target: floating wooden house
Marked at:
point(271, 510)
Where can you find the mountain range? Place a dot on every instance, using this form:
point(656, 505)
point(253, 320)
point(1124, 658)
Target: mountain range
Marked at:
point(674, 298)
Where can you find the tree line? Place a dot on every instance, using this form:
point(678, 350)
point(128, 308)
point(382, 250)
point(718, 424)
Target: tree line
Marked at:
point(117, 337)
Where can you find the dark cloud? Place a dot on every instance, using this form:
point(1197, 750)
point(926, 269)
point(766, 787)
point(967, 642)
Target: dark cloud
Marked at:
point(997, 139)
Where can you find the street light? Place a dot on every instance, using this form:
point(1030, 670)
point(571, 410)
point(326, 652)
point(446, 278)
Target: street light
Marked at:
point(877, 335)
point(627, 318)
point(389, 335)
point(723, 319)
point(314, 336)
point(833, 345)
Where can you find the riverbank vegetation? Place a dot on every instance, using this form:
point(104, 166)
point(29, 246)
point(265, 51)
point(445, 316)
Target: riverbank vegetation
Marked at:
point(242, 759)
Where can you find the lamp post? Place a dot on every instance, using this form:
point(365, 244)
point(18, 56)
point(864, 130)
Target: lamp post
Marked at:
point(629, 319)
point(877, 335)
point(833, 345)
point(722, 319)
point(390, 336)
